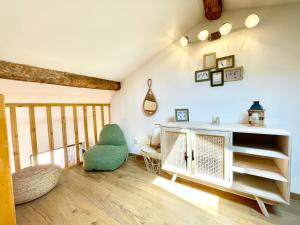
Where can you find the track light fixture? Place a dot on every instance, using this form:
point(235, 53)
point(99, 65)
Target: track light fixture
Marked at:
point(203, 35)
point(184, 41)
point(250, 22)
point(225, 29)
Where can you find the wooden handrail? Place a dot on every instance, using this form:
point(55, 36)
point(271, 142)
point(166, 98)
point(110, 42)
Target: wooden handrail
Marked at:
point(7, 206)
point(53, 104)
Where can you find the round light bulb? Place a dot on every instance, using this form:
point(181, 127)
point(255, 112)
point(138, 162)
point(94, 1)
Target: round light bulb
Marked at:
point(251, 21)
point(184, 41)
point(203, 35)
point(225, 28)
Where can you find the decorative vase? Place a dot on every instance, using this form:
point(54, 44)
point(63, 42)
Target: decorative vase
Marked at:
point(256, 115)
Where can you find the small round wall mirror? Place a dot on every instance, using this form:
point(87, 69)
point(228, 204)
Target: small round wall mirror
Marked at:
point(149, 104)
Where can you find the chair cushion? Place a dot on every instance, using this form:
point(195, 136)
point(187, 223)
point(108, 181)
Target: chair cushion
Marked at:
point(35, 181)
point(112, 134)
point(104, 157)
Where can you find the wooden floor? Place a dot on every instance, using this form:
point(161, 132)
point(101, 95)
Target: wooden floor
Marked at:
point(131, 196)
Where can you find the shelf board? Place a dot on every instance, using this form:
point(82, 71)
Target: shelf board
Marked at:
point(256, 186)
point(260, 150)
point(257, 166)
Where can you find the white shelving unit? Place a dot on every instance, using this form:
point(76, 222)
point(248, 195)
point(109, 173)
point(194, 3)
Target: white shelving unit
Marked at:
point(257, 161)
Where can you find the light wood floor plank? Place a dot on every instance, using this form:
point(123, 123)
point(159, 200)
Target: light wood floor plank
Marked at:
point(131, 196)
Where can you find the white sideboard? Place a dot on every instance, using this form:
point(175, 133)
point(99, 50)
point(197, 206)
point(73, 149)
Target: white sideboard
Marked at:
point(249, 161)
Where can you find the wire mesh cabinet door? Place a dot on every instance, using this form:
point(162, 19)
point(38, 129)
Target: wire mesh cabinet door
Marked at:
point(176, 151)
point(211, 157)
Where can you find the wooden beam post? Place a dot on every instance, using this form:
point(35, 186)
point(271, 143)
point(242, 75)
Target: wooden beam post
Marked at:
point(75, 119)
point(64, 135)
point(21, 72)
point(7, 205)
point(50, 133)
point(33, 135)
point(86, 129)
point(15, 137)
point(213, 9)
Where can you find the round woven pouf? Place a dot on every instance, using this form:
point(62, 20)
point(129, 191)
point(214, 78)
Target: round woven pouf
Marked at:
point(35, 181)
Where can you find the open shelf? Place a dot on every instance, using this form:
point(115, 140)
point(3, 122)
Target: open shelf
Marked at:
point(257, 166)
point(257, 186)
point(260, 145)
point(260, 151)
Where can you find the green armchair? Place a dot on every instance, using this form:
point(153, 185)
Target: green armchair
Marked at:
point(109, 153)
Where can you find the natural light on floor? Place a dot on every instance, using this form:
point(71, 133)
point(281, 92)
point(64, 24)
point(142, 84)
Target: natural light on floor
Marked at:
point(201, 199)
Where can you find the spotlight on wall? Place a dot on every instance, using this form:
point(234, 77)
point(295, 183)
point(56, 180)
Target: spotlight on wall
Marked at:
point(225, 28)
point(203, 35)
point(184, 41)
point(251, 21)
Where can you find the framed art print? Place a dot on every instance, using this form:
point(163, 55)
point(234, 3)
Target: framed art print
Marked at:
point(181, 115)
point(202, 75)
point(233, 74)
point(216, 78)
point(225, 62)
point(209, 60)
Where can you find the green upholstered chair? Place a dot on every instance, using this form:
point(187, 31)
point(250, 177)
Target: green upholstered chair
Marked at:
point(109, 153)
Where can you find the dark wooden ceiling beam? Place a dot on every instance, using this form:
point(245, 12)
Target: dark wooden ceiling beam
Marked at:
point(213, 9)
point(21, 72)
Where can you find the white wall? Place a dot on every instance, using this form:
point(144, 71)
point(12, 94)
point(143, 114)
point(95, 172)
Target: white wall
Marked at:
point(26, 92)
point(270, 55)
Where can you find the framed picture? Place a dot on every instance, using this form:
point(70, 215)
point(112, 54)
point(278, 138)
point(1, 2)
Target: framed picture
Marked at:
point(216, 78)
point(181, 115)
point(202, 75)
point(225, 62)
point(233, 74)
point(209, 60)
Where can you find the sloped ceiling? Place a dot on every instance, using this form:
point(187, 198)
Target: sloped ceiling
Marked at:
point(104, 38)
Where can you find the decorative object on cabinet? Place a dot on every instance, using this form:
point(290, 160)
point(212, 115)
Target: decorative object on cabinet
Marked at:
point(233, 74)
point(225, 62)
point(215, 120)
point(216, 78)
point(150, 103)
point(209, 60)
point(182, 115)
point(248, 161)
point(256, 115)
point(202, 75)
point(155, 137)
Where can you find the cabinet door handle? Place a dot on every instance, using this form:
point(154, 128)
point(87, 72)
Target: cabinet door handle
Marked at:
point(186, 158)
point(193, 157)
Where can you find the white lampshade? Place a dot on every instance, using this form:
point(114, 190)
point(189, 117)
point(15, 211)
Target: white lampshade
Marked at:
point(225, 28)
point(203, 35)
point(251, 21)
point(184, 41)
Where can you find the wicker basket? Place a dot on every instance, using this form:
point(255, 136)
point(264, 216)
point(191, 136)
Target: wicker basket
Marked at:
point(152, 160)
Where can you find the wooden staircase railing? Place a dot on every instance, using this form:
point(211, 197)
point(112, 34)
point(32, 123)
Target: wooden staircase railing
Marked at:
point(13, 107)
